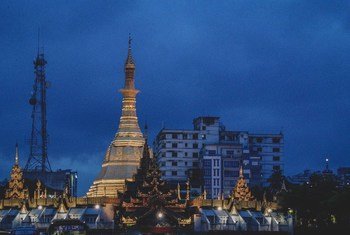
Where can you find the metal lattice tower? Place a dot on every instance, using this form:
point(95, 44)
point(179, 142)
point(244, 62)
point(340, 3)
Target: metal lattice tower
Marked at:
point(38, 160)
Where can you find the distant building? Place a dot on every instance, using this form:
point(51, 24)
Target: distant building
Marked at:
point(343, 174)
point(60, 180)
point(219, 153)
point(300, 178)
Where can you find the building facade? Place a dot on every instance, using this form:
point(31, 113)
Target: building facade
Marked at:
point(218, 153)
point(124, 153)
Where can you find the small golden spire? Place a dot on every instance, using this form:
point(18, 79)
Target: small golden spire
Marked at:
point(188, 189)
point(129, 63)
point(241, 172)
point(16, 155)
point(178, 191)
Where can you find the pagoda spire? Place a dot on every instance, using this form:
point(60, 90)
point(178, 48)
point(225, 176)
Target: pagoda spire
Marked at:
point(129, 60)
point(122, 158)
point(16, 155)
point(241, 172)
point(15, 187)
point(241, 191)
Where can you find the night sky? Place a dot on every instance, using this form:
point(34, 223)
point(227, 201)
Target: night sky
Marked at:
point(262, 66)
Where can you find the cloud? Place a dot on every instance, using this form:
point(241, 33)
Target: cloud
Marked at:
point(259, 65)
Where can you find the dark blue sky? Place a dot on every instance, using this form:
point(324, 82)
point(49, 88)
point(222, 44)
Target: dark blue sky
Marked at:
point(259, 65)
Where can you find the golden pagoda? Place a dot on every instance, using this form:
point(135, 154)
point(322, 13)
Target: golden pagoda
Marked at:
point(241, 192)
point(124, 153)
point(16, 183)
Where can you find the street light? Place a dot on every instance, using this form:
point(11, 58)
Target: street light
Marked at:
point(160, 215)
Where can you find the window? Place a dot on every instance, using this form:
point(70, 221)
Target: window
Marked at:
point(173, 173)
point(216, 182)
point(229, 183)
point(276, 140)
point(185, 154)
point(185, 137)
point(174, 163)
point(207, 163)
point(185, 145)
point(174, 145)
point(259, 149)
point(185, 163)
point(276, 158)
point(259, 140)
point(204, 128)
point(195, 136)
point(276, 150)
point(207, 172)
point(216, 172)
point(203, 136)
point(211, 152)
point(195, 164)
point(195, 155)
point(216, 162)
point(228, 173)
point(276, 168)
point(195, 146)
point(207, 182)
point(228, 164)
point(174, 154)
point(236, 163)
point(229, 152)
point(174, 136)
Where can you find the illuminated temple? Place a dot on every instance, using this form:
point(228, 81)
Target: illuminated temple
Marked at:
point(124, 153)
point(129, 195)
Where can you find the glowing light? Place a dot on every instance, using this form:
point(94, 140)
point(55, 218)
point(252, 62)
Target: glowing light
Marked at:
point(327, 159)
point(40, 207)
point(220, 208)
point(97, 206)
point(160, 215)
point(269, 210)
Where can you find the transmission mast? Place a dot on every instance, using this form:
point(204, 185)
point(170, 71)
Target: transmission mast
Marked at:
point(38, 160)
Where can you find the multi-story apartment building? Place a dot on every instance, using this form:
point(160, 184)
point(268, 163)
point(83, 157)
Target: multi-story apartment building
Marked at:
point(270, 148)
point(218, 153)
point(177, 152)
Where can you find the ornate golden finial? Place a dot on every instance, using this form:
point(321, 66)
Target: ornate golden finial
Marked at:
point(188, 189)
point(241, 171)
point(205, 194)
point(129, 63)
point(178, 191)
point(38, 190)
point(16, 155)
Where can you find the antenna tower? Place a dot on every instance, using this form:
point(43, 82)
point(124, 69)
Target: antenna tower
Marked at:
point(38, 161)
